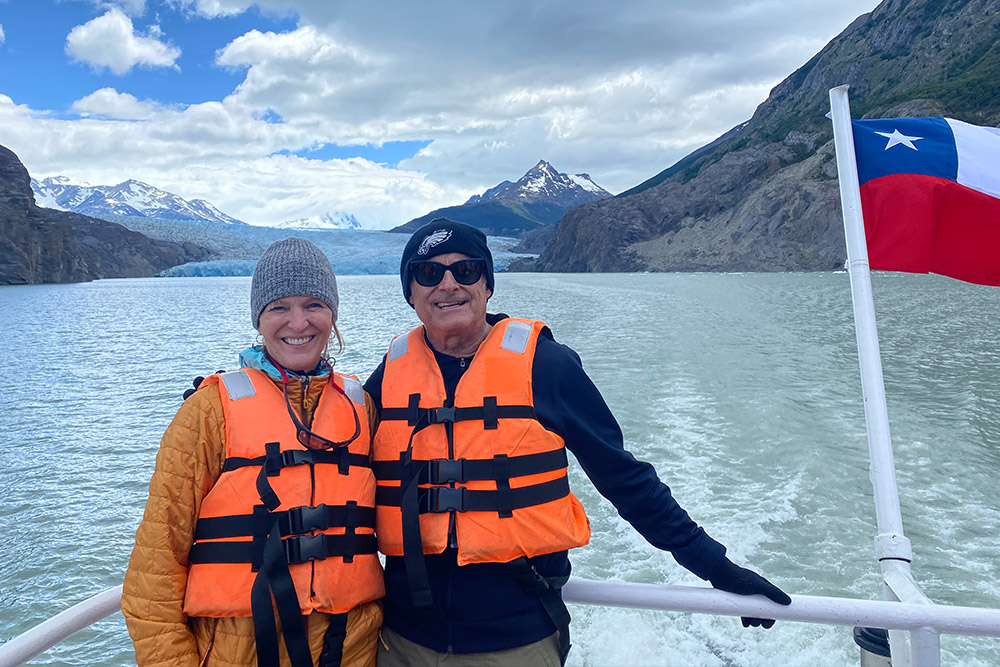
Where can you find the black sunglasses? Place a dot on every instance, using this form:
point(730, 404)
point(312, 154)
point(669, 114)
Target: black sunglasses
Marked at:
point(315, 440)
point(465, 271)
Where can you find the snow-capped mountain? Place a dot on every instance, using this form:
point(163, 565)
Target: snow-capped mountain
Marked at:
point(336, 220)
point(130, 198)
point(536, 200)
point(490, 194)
point(543, 184)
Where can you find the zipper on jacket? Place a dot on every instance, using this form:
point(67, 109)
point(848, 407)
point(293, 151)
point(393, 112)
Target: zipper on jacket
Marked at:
point(211, 645)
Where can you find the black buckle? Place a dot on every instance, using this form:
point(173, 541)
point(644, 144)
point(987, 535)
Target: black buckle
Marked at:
point(306, 519)
point(273, 464)
point(445, 499)
point(304, 548)
point(296, 457)
point(442, 471)
point(442, 415)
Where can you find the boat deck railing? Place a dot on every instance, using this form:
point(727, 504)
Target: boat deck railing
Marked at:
point(927, 621)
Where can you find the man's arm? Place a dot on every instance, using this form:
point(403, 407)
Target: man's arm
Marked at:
point(568, 403)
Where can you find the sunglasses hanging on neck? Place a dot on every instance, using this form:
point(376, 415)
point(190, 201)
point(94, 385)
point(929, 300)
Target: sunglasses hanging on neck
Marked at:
point(305, 436)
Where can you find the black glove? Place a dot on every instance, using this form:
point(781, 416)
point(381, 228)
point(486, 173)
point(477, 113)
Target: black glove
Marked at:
point(195, 384)
point(732, 578)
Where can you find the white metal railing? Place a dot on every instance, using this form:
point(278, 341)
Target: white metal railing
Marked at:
point(914, 617)
point(47, 634)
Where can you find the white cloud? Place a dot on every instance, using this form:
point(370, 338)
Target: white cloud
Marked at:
point(213, 8)
point(111, 41)
point(377, 195)
point(495, 87)
point(109, 103)
point(130, 7)
point(3, 36)
point(209, 151)
point(621, 95)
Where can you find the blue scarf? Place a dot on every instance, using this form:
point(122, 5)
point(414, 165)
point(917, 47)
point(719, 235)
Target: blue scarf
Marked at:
point(254, 357)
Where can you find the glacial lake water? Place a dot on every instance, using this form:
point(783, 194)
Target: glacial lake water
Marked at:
point(742, 389)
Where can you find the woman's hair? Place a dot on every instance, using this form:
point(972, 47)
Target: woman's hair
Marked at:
point(340, 341)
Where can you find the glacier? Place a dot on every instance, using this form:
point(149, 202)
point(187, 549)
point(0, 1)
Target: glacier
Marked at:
point(351, 251)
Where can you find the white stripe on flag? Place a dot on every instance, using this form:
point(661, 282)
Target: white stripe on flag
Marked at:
point(978, 156)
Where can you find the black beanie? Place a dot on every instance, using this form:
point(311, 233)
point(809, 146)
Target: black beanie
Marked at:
point(441, 236)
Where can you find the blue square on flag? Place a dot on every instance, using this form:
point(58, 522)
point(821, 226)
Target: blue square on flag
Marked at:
point(905, 146)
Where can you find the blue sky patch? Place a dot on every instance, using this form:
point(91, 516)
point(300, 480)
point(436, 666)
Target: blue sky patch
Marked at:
point(390, 152)
point(36, 70)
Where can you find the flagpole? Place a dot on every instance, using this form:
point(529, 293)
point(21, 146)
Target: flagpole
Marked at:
point(892, 548)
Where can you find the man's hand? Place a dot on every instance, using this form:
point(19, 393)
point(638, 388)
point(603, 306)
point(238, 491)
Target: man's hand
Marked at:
point(732, 578)
point(195, 384)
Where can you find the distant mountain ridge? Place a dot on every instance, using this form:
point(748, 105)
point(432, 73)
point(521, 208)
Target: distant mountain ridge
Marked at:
point(135, 199)
point(42, 245)
point(129, 198)
point(764, 196)
point(536, 200)
point(336, 220)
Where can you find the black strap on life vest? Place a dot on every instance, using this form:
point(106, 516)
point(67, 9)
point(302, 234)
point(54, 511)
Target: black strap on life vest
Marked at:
point(413, 545)
point(442, 471)
point(333, 641)
point(297, 549)
point(547, 589)
point(274, 579)
point(295, 521)
point(460, 499)
point(278, 541)
point(275, 460)
point(414, 500)
point(293, 525)
point(488, 413)
point(342, 457)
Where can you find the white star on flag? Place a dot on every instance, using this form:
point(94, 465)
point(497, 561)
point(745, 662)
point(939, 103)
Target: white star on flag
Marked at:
point(898, 137)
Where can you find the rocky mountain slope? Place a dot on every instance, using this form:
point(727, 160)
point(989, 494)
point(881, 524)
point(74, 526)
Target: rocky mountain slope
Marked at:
point(41, 245)
point(764, 197)
point(535, 201)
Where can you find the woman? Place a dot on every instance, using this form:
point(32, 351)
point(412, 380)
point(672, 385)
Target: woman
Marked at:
point(262, 499)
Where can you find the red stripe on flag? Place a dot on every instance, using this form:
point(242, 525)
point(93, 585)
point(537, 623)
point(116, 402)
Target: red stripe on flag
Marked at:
point(923, 224)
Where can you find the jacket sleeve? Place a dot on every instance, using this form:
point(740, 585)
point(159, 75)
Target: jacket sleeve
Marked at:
point(372, 411)
point(568, 403)
point(188, 464)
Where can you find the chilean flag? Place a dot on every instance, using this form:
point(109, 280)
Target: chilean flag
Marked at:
point(930, 196)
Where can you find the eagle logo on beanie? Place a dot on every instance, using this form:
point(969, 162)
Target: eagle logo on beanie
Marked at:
point(433, 239)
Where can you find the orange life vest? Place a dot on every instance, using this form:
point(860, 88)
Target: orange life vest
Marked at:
point(486, 463)
point(322, 504)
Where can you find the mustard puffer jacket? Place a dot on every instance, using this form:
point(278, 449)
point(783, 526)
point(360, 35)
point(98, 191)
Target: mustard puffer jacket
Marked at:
point(188, 464)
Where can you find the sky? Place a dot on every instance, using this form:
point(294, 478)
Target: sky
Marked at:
point(275, 110)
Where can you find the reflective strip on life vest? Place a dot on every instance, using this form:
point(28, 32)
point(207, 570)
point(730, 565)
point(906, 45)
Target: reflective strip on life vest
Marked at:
point(238, 385)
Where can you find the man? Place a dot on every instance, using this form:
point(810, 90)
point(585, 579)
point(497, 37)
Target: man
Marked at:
point(474, 511)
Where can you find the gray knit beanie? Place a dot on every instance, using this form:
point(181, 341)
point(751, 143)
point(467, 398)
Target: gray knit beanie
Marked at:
point(292, 267)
